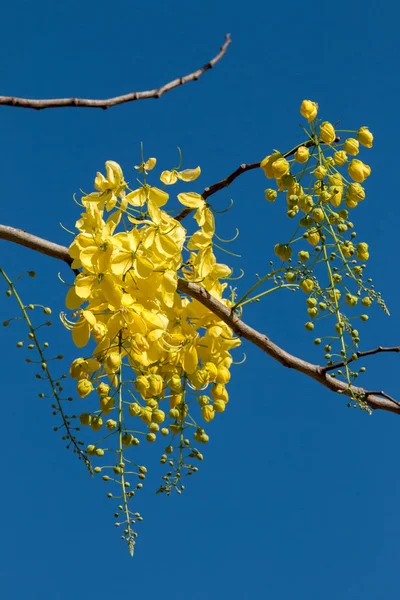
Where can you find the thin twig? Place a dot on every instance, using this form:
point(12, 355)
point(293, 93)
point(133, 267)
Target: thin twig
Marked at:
point(226, 314)
point(109, 102)
point(360, 355)
point(244, 168)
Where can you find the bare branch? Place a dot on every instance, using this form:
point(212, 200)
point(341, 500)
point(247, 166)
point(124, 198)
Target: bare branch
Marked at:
point(244, 168)
point(376, 400)
point(109, 102)
point(361, 355)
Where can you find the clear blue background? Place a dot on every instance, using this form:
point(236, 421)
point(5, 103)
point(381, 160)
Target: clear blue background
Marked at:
point(297, 496)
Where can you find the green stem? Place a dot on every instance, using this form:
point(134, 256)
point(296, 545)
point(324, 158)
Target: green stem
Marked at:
point(43, 361)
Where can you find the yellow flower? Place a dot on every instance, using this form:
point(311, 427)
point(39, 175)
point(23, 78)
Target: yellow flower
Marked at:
point(327, 132)
point(365, 137)
point(171, 177)
point(358, 170)
point(148, 165)
point(267, 163)
point(280, 167)
point(302, 154)
point(355, 192)
point(351, 146)
point(309, 110)
point(84, 388)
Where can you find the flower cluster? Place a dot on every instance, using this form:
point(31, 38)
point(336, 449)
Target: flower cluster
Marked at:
point(322, 181)
point(158, 354)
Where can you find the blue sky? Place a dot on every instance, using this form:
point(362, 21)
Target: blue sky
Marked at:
point(297, 496)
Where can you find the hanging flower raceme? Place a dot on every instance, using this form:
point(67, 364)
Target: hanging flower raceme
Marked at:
point(152, 349)
point(322, 183)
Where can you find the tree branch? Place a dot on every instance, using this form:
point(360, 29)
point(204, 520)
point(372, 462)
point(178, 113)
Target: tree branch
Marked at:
point(376, 400)
point(361, 355)
point(220, 185)
point(108, 103)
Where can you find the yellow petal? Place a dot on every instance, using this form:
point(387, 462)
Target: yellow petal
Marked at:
point(72, 300)
point(89, 316)
point(81, 334)
point(189, 174)
point(150, 164)
point(84, 285)
point(143, 267)
point(137, 197)
point(121, 263)
point(169, 177)
point(154, 212)
point(158, 196)
point(191, 200)
point(111, 291)
point(190, 359)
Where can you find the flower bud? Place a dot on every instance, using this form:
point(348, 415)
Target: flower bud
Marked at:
point(146, 415)
point(351, 300)
point(313, 236)
point(302, 154)
point(318, 215)
point(84, 388)
point(358, 170)
point(362, 251)
point(320, 172)
point(212, 370)
point(107, 404)
point(203, 400)
point(174, 400)
point(283, 251)
point(351, 146)
point(280, 167)
point(158, 416)
point(113, 361)
point(267, 163)
point(340, 158)
point(365, 137)
point(135, 410)
point(303, 256)
point(309, 110)
point(366, 301)
point(85, 419)
point(219, 406)
point(306, 203)
point(307, 286)
point(218, 392)
point(355, 192)
point(103, 389)
point(207, 412)
point(96, 423)
point(111, 424)
point(290, 276)
point(327, 133)
point(223, 375)
point(271, 195)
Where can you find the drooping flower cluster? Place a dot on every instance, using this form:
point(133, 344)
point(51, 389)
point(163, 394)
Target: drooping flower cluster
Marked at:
point(158, 354)
point(317, 189)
